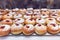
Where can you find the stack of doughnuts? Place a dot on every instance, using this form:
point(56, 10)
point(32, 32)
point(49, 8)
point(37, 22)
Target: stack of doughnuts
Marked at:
point(29, 21)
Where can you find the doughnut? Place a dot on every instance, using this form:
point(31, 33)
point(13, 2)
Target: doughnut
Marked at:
point(40, 21)
point(53, 28)
point(29, 11)
point(22, 11)
point(40, 29)
point(52, 11)
point(44, 11)
point(44, 16)
point(30, 21)
point(36, 16)
point(7, 16)
point(19, 20)
point(36, 11)
point(15, 10)
point(3, 12)
point(12, 13)
point(50, 20)
point(4, 30)
point(17, 16)
point(16, 28)
point(54, 15)
point(7, 21)
point(28, 29)
point(26, 16)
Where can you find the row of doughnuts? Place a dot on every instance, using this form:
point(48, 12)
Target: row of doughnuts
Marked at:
point(28, 13)
point(28, 21)
point(29, 29)
point(31, 21)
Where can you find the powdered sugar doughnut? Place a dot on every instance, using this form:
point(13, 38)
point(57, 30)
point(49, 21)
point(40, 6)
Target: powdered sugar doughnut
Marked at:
point(40, 29)
point(7, 21)
point(28, 29)
point(16, 28)
point(40, 21)
point(30, 21)
point(4, 30)
point(53, 28)
point(26, 16)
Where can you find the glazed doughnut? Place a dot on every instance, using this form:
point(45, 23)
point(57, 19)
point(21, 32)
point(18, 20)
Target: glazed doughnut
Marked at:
point(7, 21)
point(40, 21)
point(4, 30)
point(26, 16)
point(16, 28)
point(40, 29)
point(53, 28)
point(50, 20)
point(28, 29)
point(29, 21)
point(19, 20)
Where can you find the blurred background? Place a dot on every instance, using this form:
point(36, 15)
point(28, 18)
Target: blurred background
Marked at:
point(55, 4)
